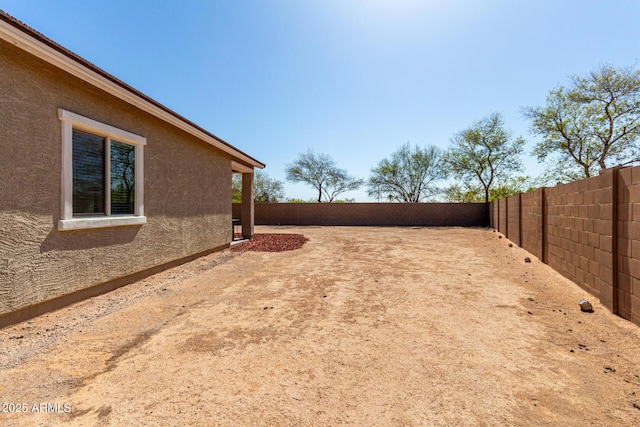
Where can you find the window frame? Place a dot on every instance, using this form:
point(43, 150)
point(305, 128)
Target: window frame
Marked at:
point(71, 121)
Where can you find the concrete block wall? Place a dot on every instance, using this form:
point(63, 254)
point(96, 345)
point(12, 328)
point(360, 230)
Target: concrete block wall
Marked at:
point(588, 230)
point(580, 233)
point(532, 222)
point(503, 225)
point(628, 243)
point(493, 214)
point(371, 214)
point(513, 219)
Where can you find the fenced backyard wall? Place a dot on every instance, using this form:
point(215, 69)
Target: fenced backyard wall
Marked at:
point(588, 230)
point(370, 214)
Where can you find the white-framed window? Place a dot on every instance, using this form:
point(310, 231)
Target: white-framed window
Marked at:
point(102, 174)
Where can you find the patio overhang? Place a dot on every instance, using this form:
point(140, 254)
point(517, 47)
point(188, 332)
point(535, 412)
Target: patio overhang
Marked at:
point(247, 212)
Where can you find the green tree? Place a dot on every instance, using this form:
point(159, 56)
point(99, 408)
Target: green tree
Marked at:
point(484, 155)
point(590, 125)
point(265, 189)
point(320, 172)
point(465, 193)
point(407, 176)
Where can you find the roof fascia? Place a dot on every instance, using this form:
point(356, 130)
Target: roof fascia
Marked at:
point(238, 167)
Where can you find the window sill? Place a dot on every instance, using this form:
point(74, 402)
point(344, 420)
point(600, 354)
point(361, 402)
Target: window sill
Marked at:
point(102, 222)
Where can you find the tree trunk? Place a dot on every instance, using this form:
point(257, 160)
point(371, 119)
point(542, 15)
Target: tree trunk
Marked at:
point(602, 164)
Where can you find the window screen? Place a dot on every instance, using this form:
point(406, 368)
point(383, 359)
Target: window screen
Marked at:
point(88, 173)
point(122, 178)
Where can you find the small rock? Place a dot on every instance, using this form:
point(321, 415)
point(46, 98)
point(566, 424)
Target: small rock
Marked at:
point(585, 306)
point(527, 259)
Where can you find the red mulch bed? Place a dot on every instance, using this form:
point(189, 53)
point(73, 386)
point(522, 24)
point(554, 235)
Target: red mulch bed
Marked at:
point(274, 242)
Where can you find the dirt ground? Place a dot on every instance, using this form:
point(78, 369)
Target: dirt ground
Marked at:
point(362, 326)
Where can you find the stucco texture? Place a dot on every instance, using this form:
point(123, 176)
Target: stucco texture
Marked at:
point(187, 190)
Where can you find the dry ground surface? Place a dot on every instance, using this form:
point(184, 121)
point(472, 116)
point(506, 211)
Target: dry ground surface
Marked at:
point(361, 326)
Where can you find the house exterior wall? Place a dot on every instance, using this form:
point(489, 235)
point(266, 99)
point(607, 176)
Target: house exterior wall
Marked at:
point(187, 189)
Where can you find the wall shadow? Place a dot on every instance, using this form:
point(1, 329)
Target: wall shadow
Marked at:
point(88, 239)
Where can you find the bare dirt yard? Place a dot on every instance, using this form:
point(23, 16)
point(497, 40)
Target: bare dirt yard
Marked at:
point(360, 326)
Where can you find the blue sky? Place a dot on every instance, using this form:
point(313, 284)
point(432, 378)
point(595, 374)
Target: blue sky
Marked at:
point(354, 79)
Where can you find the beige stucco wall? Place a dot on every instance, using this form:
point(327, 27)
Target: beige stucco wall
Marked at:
point(187, 192)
